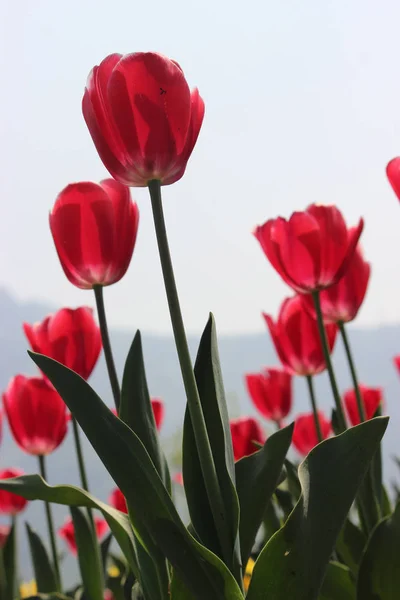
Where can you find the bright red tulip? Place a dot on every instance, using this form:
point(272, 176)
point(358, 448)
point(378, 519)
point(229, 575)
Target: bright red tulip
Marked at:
point(341, 302)
point(4, 533)
point(158, 411)
point(36, 414)
point(11, 504)
point(117, 500)
point(305, 433)
point(67, 532)
point(70, 336)
point(271, 393)
point(94, 228)
point(312, 250)
point(245, 431)
point(142, 116)
point(396, 361)
point(296, 338)
point(393, 174)
point(372, 398)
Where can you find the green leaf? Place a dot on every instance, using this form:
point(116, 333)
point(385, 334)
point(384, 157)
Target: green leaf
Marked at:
point(88, 555)
point(338, 583)
point(42, 567)
point(104, 549)
point(379, 573)
point(208, 375)
point(9, 555)
point(136, 409)
point(257, 477)
point(293, 563)
point(128, 462)
point(350, 546)
point(271, 521)
point(285, 502)
point(292, 478)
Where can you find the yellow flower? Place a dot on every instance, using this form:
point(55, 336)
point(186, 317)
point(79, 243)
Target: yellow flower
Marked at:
point(113, 571)
point(248, 573)
point(28, 589)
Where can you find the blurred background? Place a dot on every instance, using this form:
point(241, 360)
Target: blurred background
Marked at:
point(302, 105)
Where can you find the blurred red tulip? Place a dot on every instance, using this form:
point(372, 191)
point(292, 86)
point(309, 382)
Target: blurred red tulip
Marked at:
point(70, 336)
point(158, 411)
point(305, 434)
point(393, 174)
point(36, 414)
point(296, 338)
point(396, 361)
point(178, 478)
point(67, 532)
point(4, 532)
point(117, 500)
point(142, 116)
point(372, 398)
point(245, 431)
point(271, 393)
point(312, 250)
point(11, 504)
point(341, 302)
point(1, 425)
point(94, 228)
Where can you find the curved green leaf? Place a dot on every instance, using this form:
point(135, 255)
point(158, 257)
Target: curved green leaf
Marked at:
point(338, 583)
point(379, 573)
point(257, 477)
point(42, 567)
point(89, 560)
point(350, 546)
point(128, 462)
point(293, 563)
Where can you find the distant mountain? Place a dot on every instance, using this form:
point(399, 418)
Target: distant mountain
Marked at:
point(374, 349)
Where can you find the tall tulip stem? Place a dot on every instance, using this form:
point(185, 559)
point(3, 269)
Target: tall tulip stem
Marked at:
point(50, 527)
point(360, 402)
point(81, 465)
point(196, 412)
point(112, 372)
point(310, 386)
point(325, 347)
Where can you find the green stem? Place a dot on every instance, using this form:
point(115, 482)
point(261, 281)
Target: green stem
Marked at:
point(360, 402)
point(81, 466)
point(50, 526)
point(325, 348)
point(192, 394)
point(112, 372)
point(310, 386)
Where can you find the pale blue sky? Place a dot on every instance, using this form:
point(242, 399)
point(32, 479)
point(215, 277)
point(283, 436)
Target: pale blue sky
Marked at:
point(302, 105)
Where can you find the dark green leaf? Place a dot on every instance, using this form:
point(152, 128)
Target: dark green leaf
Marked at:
point(379, 573)
point(350, 546)
point(292, 478)
point(128, 462)
point(257, 477)
point(386, 503)
point(89, 559)
point(9, 551)
point(271, 521)
point(212, 396)
point(338, 583)
point(42, 567)
point(293, 563)
point(104, 549)
point(285, 501)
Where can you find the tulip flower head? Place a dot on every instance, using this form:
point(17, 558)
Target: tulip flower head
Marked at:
point(70, 336)
point(245, 431)
point(117, 500)
point(312, 250)
point(271, 393)
point(142, 116)
point(296, 338)
point(305, 436)
point(372, 398)
point(393, 174)
point(10, 503)
point(94, 228)
point(158, 411)
point(67, 532)
point(36, 414)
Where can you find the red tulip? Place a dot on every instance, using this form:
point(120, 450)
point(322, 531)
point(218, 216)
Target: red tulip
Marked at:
point(372, 398)
point(4, 533)
point(1, 425)
point(312, 250)
point(396, 361)
point(67, 532)
point(245, 431)
point(117, 500)
point(178, 478)
point(36, 414)
point(11, 504)
point(296, 338)
point(70, 336)
point(305, 433)
point(158, 411)
point(142, 116)
point(94, 229)
point(271, 393)
point(393, 174)
point(341, 302)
